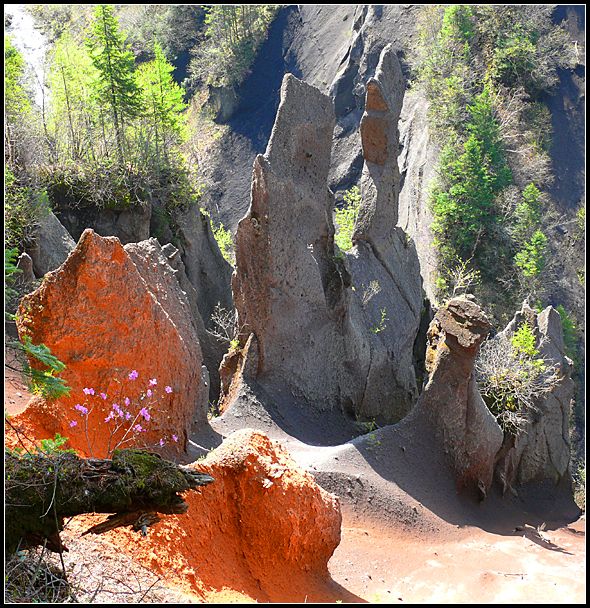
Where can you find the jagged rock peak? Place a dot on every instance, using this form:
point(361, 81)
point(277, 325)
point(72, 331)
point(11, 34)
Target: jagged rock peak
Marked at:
point(301, 141)
point(286, 281)
point(379, 138)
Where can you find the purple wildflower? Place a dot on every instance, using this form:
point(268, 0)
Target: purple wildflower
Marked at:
point(109, 417)
point(162, 443)
point(174, 438)
point(103, 396)
point(143, 412)
point(88, 391)
point(153, 382)
point(127, 401)
point(168, 389)
point(149, 392)
point(133, 375)
point(83, 410)
point(74, 423)
point(138, 428)
point(128, 416)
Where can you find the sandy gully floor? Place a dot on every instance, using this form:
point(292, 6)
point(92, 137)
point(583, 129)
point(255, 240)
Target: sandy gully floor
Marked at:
point(469, 566)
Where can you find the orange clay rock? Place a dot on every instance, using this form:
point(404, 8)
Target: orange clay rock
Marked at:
point(264, 529)
point(105, 312)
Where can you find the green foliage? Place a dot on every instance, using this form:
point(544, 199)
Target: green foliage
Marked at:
point(106, 152)
point(527, 215)
point(537, 118)
point(74, 112)
point(443, 65)
point(524, 342)
point(225, 242)
point(102, 185)
point(511, 376)
point(480, 67)
point(43, 382)
point(163, 101)
point(16, 97)
point(522, 45)
point(53, 20)
point(10, 269)
point(381, 325)
point(570, 333)
point(233, 35)
point(55, 445)
point(175, 27)
point(19, 114)
point(115, 85)
point(23, 208)
point(346, 217)
point(531, 258)
point(470, 176)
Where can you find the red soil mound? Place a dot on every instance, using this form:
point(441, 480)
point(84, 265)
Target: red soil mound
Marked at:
point(264, 529)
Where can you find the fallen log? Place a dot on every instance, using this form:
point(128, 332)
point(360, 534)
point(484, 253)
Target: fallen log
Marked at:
point(134, 486)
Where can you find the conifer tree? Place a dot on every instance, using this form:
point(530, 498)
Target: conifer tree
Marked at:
point(116, 86)
point(163, 103)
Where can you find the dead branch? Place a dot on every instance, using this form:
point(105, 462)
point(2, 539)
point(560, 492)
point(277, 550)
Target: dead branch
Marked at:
point(41, 490)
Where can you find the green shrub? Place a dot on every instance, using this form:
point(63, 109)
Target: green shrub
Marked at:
point(531, 258)
point(225, 242)
point(24, 206)
point(471, 175)
point(10, 269)
point(233, 35)
point(527, 215)
point(570, 333)
point(346, 217)
point(512, 376)
point(524, 342)
point(43, 381)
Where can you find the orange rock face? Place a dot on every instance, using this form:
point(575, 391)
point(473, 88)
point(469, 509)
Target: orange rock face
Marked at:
point(264, 528)
point(104, 319)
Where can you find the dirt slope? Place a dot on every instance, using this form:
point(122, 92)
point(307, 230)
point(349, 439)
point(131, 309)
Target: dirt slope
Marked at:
point(406, 535)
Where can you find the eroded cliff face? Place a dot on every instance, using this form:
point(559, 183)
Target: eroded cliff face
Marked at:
point(316, 331)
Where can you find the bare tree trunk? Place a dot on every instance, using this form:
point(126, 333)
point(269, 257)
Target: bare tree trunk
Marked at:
point(134, 486)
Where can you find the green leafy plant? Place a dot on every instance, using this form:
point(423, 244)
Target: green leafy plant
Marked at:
point(512, 375)
point(10, 270)
point(346, 217)
point(24, 206)
point(225, 242)
point(381, 325)
point(43, 381)
point(531, 258)
point(233, 35)
point(570, 333)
